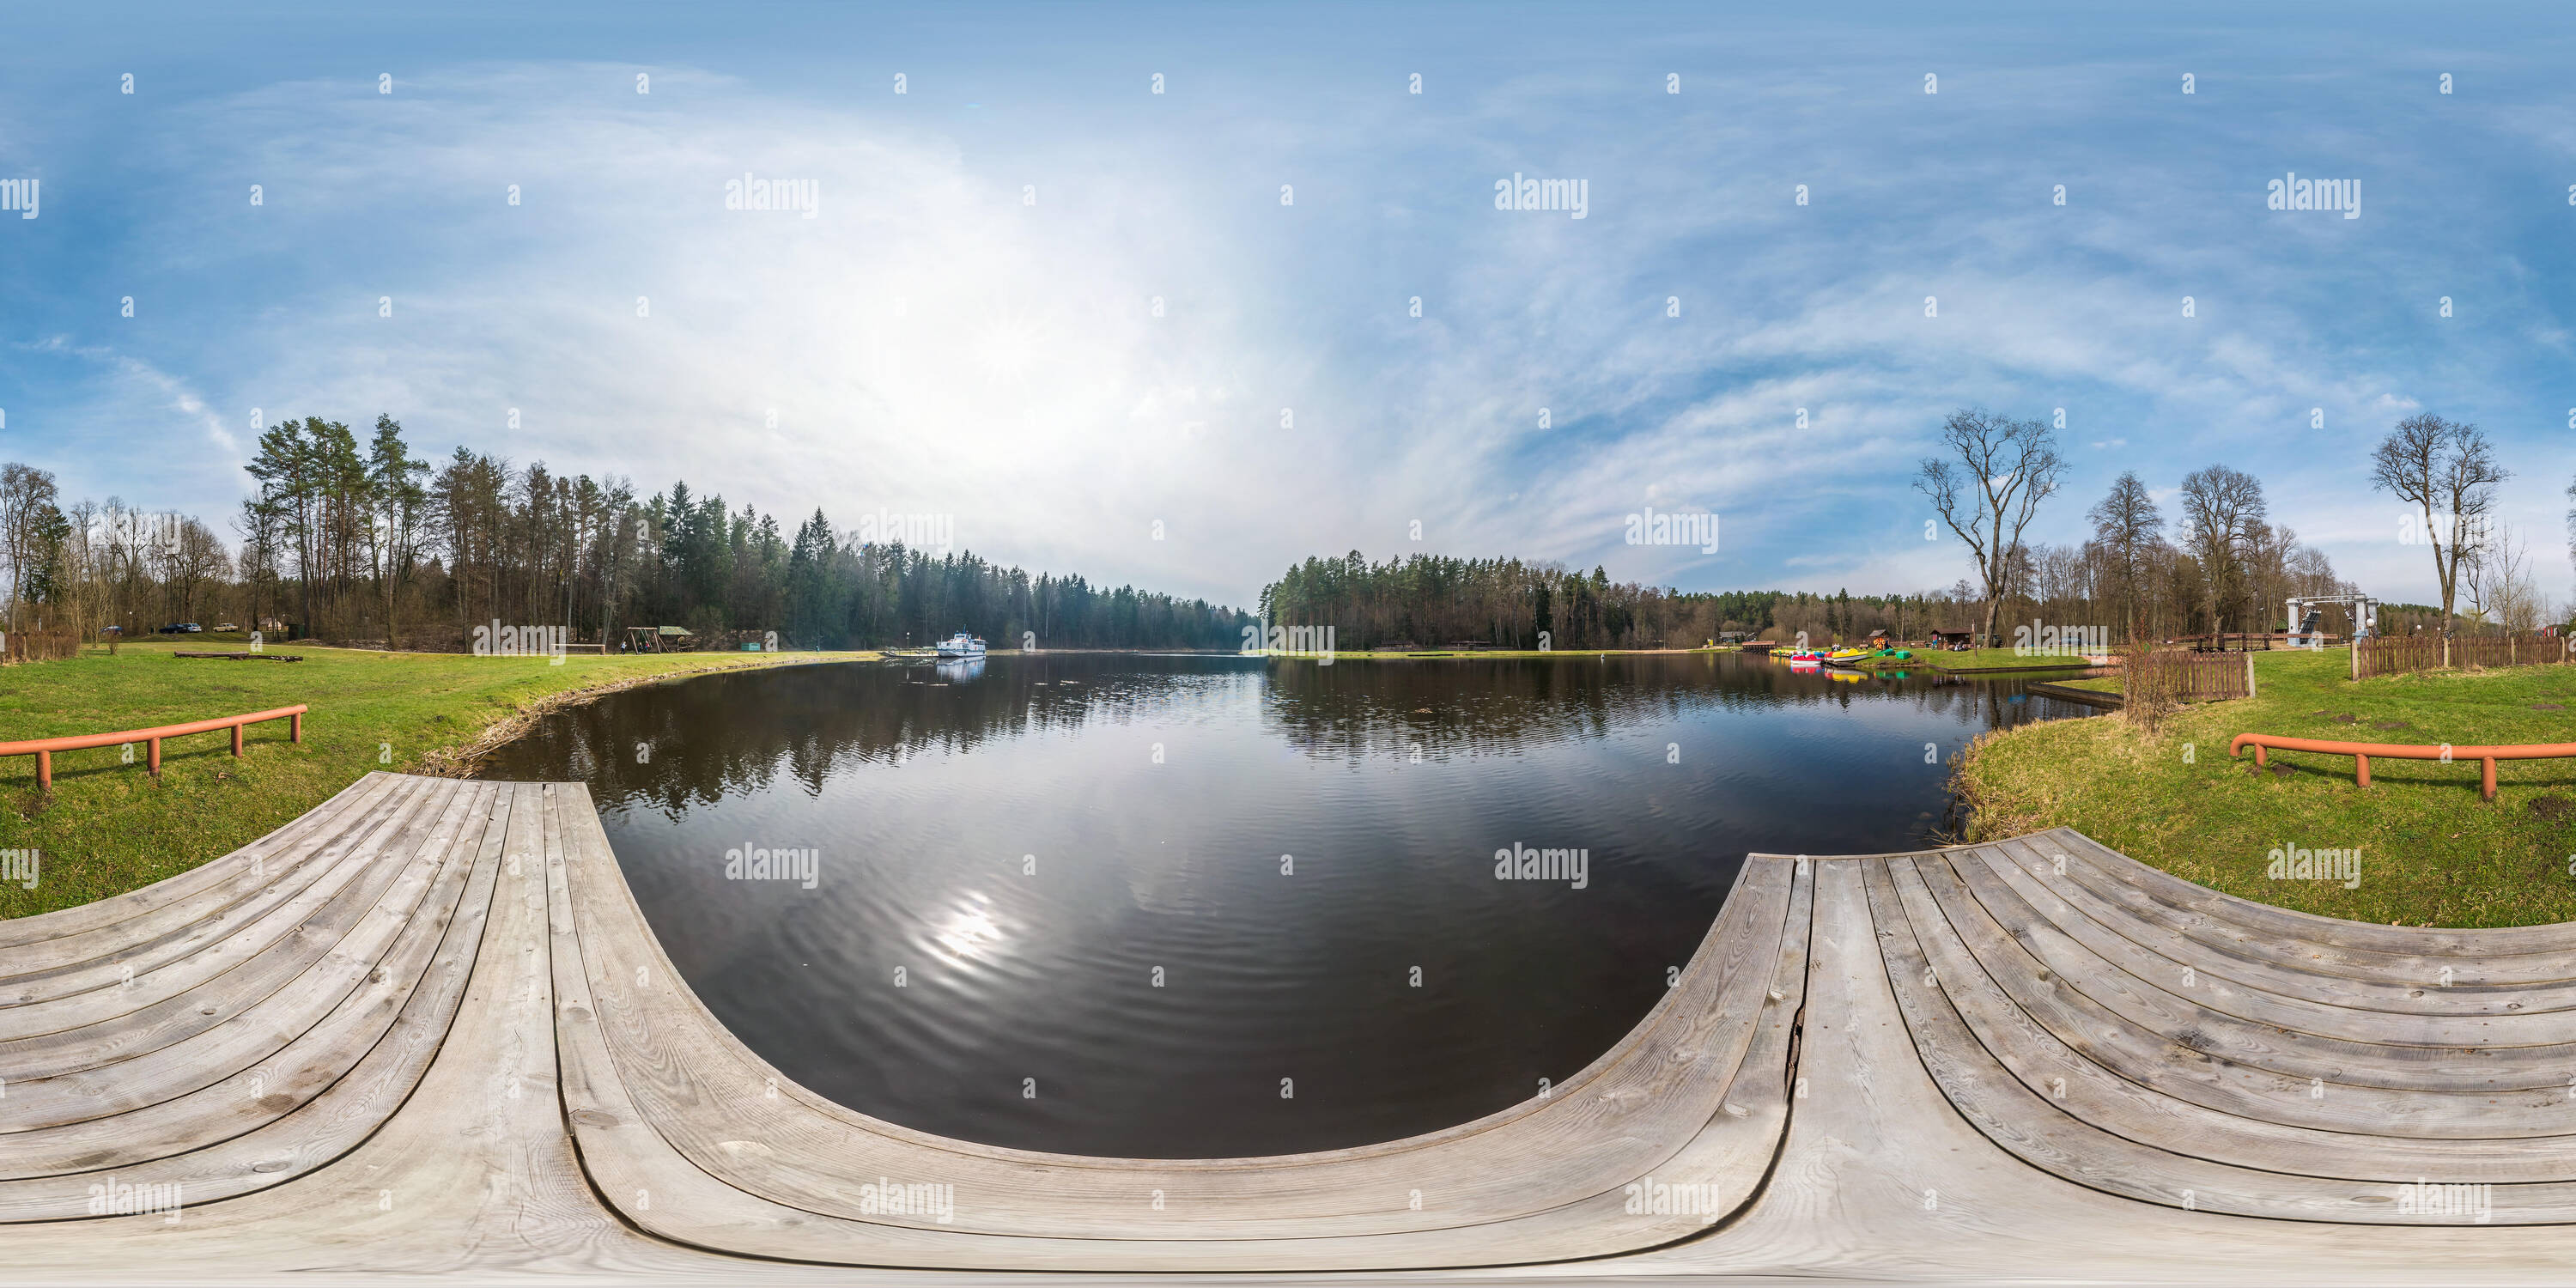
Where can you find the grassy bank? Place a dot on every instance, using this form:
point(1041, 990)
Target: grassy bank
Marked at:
point(2432, 852)
point(1996, 659)
point(1433, 655)
point(110, 827)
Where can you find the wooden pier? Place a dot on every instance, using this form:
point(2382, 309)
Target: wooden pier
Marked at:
point(424, 1030)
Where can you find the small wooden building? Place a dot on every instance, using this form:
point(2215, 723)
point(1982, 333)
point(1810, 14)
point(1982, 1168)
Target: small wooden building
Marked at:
point(659, 639)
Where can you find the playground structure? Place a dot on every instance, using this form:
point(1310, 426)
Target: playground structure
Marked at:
point(2303, 630)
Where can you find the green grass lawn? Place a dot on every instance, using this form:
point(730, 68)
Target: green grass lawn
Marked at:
point(1439, 654)
point(109, 827)
point(1992, 659)
point(2432, 852)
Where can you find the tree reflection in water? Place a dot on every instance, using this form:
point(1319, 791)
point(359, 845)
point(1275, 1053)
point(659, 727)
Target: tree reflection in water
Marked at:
point(1160, 884)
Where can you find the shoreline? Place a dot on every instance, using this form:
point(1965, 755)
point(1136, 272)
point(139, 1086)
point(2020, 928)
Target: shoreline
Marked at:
point(462, 761)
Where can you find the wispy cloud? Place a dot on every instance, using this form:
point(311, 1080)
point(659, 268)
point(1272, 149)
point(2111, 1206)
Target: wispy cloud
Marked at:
point(1067, 327)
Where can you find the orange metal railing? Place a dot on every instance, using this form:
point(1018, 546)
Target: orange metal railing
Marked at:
point(43, 749)
point(2361, 752)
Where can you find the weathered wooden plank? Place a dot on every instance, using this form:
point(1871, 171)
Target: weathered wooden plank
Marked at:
point(2041, 1132)
point(472, 1177)
point(357, 797)
point(308, 1104)
point(1875, 1173)
point(253, 1034)
point(2156, 1037)
point(185, 919)
point(677, 1064)
point(1881, 1180)
point(304, 936)
point(2540, 981)
point(2460, 1042)
point(660, 1190)
point(2481, 944)
point(122, 962)
point(2077, 1086)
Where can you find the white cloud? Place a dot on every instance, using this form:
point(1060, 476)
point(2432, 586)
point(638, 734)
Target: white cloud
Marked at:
point(929, 342)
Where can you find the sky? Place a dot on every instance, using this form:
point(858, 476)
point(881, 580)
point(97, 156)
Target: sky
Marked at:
point(1181, 295)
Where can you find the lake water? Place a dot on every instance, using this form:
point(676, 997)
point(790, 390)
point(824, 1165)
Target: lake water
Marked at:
point(1195, 906)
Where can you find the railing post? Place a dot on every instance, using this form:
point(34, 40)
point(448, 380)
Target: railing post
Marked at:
point(44, 771)
point(155, 756)
point(298, 718)
point(2486, 776)
point(237, 735)
point(2249, 673)
point(2360, 770)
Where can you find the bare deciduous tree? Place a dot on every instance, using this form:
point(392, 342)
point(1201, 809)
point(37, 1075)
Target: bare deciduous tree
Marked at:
point(2128, 528)
point(27, 510)
point(194, 558)
point(2003, 469)
point(2449, 471)
point(2222, 517)
point(2501, 590)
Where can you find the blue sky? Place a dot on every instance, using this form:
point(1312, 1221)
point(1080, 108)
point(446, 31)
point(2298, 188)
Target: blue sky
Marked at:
point(931, 340)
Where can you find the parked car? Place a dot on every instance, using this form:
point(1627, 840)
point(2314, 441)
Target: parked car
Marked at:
point(192, 628)
point(226, 626)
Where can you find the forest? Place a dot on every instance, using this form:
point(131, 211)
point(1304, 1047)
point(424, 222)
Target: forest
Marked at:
point(366, 544)
point(361, 542)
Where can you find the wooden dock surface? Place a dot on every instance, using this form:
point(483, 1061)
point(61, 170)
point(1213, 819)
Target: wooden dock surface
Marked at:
point(425, 1030)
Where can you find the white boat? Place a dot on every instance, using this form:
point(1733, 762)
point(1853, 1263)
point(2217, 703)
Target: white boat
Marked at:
point(961, 644)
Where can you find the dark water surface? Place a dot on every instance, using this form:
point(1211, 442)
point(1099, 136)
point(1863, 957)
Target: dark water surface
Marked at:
point(1030, 843)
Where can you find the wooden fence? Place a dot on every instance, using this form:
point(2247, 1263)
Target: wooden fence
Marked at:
point(2361, 752)
point(37, 646)
point(43, 749)
point(2153, 679)
point(2399, 654)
